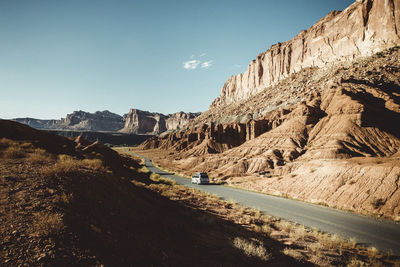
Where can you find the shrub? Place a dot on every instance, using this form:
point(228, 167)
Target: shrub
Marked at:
point(38, 156)
point(4, 142)
point(252, 248)
point(65, 164)
point(377, 202)
point(94, 164)
point(12, 152)
point(293, 253)
point(45, 224)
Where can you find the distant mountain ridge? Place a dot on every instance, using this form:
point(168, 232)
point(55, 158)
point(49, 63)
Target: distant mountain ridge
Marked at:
point(136, 121)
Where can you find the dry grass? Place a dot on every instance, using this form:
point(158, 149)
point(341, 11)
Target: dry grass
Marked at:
point(38, 156)
point(357, 263)
point(293, 253)
point(63, 198)
point(67, 164)
point(372, 252)
point(64, 165)
point(13, 152)
point(5, 142)
point(13, 149)
point(252, 248)
point(285, 226)
point(94, 164)
point(301, 243)
point(45, 224)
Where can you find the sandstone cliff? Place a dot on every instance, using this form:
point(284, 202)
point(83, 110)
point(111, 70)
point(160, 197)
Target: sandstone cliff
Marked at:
point(144, 122)
point(364, 28)
point(136, 121)
point(329, 135)
point(98, 121)
point(79, 120)
point(37, 123)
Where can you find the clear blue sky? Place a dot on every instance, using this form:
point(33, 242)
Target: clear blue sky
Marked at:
point(61, 56)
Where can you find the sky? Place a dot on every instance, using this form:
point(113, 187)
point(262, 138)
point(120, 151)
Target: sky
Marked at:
point(156, 55)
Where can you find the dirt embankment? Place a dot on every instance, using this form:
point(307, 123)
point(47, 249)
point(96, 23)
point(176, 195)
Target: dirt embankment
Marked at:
point(81, 208)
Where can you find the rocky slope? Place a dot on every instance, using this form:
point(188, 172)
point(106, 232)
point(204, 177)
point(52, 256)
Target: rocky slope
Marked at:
point(71, 203)
point(331, 137)
point(328, 134)
point(144, 122)
point(364, 28)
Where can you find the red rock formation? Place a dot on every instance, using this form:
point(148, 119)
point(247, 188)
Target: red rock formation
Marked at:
point(362, 29)
point(143, 122)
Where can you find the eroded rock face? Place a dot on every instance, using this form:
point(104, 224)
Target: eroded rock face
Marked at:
point(179, 120)
point(98, 121)
point(144, 122)
point(140, 122)
point(136, 122)
point(322, 135)
point(364, 28)
point(79, 120)
point(37, 123)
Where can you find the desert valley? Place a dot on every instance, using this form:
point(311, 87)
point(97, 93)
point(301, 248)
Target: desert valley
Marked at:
point(313, 120)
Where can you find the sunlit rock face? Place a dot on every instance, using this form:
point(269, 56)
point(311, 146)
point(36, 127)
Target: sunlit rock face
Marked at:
point(144, 122)
point(79, 120)
point(362, 29)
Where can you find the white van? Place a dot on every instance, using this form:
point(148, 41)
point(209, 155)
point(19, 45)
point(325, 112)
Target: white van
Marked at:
point(200, 178)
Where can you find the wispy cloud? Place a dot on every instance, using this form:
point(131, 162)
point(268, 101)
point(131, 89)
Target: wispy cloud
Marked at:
point(207, 64)
point(194, 62)
point(237, 66)
point(191, 64)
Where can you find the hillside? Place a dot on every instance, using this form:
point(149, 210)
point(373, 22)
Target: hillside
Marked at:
point(76, 203)
point(325, 134)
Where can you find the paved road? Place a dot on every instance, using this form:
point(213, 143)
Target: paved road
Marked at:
point(382, 234)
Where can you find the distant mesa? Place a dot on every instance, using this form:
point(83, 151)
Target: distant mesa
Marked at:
point(144, 122)
point(136, 121)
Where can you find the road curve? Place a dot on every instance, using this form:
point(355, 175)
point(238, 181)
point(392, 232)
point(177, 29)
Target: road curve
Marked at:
point(384, 235)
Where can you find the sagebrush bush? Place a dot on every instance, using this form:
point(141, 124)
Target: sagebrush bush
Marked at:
point(13, 152)
point(94, 164)
point(38, 156)
point(252, 248)
point(64, 165)
point(45, 224)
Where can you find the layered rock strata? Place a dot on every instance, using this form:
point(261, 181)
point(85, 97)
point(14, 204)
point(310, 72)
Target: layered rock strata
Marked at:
point(362, 29)
point(144, 122)
point(135, 122)
point(330, 136)
point(79, 121)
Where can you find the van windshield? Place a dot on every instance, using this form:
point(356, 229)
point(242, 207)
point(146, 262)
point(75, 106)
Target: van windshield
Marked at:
point(203, 175)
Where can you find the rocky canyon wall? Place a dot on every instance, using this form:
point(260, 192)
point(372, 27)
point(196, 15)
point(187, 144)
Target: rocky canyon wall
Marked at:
point(144, 122)
point(362, 29)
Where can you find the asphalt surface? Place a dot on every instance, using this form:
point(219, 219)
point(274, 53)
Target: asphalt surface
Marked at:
point(382, 234)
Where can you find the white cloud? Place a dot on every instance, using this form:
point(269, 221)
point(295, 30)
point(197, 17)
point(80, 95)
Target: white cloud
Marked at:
point(191, 64)
point(237, 66)
point(202, 55)
point(206, 64)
